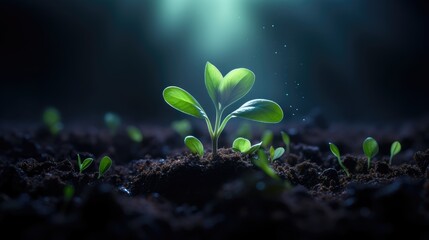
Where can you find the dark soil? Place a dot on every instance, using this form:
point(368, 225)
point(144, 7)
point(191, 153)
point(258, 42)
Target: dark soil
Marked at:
point(157, 190)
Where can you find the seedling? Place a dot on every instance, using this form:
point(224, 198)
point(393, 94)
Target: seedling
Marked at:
point(244, 131)
point(85, 164)
point(244, 146)
point(286, 141)
point(68, 192)
point(105, 164)
point(394, 149)
point(336, 152)
point(182, 127)
point(224, 91)
point(262, 162)
point(135, 134)
point(267, 138)
point(194, 145)
point(112, 121)
point(52, 120)
point(276, 153)
point(370, 148)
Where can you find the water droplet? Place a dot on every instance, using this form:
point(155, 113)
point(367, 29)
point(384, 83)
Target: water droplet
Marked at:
point(275, 52)
point(290, 106)
point(272, 25)
point(263, 27)
point(287, 94)
point(297, 84)
point(296, 109)
point(302, 97)
point(303, 119)
point(284, 45)
point(293, 114)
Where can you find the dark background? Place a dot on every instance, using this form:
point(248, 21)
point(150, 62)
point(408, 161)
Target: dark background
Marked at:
point(353, 60)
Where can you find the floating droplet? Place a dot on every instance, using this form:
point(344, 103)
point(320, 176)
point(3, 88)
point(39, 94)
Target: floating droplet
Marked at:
point(272, 25)
point(275, 52)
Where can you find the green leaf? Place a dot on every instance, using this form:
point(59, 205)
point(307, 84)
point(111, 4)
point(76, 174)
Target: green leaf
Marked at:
point(267, 138)
point(271, 153)
point(262, 163)
point(334, 150)
point(370, 147)
point(194, 145)
point(395, 148)
point(241, 144)
point(235, 85)
point(260, 110)
point(286, 138)
point(213, 78)
point(134, 133)
point(278, 153)
point(105, 164)
point(182, 127)
point(183, 101)
point(51, 116)
point(79, 162)
point(254, 148)
point(86, 163)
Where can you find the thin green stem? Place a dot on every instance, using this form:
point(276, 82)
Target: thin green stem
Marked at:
point(343, 167)
point(216, 132)
point(369, 163)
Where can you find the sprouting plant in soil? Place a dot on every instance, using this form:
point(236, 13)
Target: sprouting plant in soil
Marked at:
point(267, 138)
point(105, 164)
point(286, 141)
point(135, 134)
point(224, 91)
point(194, 145)
point(370, 148)
point(68, 192)
point(182, 127)
point(244, 146)
point(112, 121)
point(52, 120)
point(395, 148)
point(276, 153)
point(85, 164)
point(262, 162)
point(336, 152)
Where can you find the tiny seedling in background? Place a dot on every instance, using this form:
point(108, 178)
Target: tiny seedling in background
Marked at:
point(194, 145)
point(286, 141)
point(244, 131)
point(244, 146)
point(224, 91)
point(336, 152)
point(135, 134)
point(182, 127)
point(394, 149)
point(68, 192)
point(267, 138)
point(370, 148)
point(85, 164)
point(262, 162)
point(105, 164)
point(276, 153)
point(112, 121)
point(52, 120)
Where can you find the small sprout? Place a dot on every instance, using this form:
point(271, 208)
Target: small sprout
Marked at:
point(262, 162)
point(52, 120)
point(112, 121)
point(394, 149)
point(286, 141)
point(244, 131)
point(194, 145)
point(267, 138)
point(244, 146)
point(370, 148)
point(224, 91)
point(276, 153)
point(105, 164)
point(182, 127)
point(85, 164)
point(336, 152)
point(135, 134)
point(68, 192)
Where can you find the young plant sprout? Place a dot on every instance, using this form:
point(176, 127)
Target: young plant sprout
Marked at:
point(276, 153)
point(394, 149)
point(286, 141)
point(262, 162)
point(135, 134)
point(370, 148)
point(105, 164)
point(336, 152)
point(112, 121)
point(68, 192)
point(182, 127)
point(244, 146)
point(224, 91)
point(85, 164)
point(52, 120)
point(267, 138)
point(194, 145)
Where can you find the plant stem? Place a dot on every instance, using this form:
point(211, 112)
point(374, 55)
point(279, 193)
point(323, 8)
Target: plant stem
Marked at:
point(343, 167)
point(216, 132)
point(369, 163)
